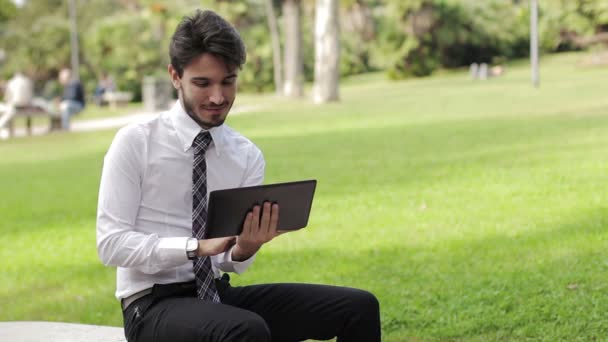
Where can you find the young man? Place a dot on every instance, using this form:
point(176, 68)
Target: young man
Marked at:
point(152, 213)
point(72, 102)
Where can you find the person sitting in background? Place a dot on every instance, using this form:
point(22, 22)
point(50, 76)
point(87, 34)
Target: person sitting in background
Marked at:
point(72, 101)
point(19, 91)
point(106, 85)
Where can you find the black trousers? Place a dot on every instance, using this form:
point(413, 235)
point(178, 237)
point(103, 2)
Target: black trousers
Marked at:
point(257, 313)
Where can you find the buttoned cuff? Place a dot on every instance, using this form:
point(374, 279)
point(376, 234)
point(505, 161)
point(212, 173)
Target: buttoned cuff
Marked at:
point(226, 264)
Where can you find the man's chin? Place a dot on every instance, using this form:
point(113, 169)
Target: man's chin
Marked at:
point(212, 123)
point(208, 120)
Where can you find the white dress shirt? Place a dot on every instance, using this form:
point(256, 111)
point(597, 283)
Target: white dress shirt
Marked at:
point(144, 214)
point(19, 91)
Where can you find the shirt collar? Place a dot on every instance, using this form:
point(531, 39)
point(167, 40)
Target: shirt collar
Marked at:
point(187, 129)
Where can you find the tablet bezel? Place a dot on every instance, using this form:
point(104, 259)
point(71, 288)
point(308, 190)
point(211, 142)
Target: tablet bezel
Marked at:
point(228, 207)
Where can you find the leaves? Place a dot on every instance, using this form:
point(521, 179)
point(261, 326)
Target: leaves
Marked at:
point(130, 39)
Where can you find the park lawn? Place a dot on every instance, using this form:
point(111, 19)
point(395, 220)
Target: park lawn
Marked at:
point(473, 210)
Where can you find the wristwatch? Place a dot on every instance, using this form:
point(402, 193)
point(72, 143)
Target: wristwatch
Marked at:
point(192, 248)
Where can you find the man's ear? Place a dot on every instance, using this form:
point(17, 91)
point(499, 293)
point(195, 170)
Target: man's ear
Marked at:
point(177, 82)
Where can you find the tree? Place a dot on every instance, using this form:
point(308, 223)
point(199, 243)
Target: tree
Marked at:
point(109, 45)
point(327, 52)
point(358, 32)
point(7, 10)
point(37, 39)
point(276, 46)
point(294, 68)
point(428, 34)
point(574, 24)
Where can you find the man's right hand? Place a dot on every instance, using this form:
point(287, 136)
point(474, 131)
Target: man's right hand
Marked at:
point(215, 246)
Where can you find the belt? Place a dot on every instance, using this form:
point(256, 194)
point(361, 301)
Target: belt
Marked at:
point(125, 302)
point(173, 290)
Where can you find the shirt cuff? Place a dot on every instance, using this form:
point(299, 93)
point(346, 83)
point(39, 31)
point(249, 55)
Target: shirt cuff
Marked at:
point(172, 250)
point(226, 263)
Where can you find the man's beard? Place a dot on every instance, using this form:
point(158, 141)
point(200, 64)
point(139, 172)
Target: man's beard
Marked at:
point(189, 108)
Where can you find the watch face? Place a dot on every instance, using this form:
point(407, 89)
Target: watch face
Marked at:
point(192, 245)
point(191, 248)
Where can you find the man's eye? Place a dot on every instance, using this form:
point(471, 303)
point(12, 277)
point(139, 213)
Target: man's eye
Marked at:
point(201, 85)
point(229, 82)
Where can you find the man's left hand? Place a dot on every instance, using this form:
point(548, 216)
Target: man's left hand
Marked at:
point(257, 230)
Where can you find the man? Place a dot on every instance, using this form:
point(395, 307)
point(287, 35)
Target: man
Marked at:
point(72, 101)
point(152, 214)
point(19, 91)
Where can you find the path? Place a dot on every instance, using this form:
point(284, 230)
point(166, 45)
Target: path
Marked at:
point(58, 332)
point(107, 123)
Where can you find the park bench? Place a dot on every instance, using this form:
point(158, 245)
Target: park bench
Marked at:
point(115, 98)
point(9, 113)
point(59, 332)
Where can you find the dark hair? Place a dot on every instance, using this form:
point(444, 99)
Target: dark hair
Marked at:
point(205, 32)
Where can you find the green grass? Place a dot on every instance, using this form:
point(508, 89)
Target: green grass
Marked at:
point(474, 210)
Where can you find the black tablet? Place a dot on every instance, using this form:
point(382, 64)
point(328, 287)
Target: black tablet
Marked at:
point(228, 207)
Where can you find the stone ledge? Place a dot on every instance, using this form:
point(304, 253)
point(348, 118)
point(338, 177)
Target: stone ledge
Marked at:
point(58, 332)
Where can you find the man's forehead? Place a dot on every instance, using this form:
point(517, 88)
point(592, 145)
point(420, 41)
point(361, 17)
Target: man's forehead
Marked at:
point(210, 64)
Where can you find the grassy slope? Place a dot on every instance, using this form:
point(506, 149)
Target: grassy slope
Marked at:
point(473, 210)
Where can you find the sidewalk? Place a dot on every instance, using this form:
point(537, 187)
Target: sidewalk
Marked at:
point(107, 123)
point(59, 332)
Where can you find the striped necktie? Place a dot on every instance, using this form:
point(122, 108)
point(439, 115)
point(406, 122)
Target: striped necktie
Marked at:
point(205, 282)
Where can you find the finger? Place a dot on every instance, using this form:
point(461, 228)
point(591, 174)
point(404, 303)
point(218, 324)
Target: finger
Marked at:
point(274, 218)
point(265, 224)
point(247, 225)
point(255, 222)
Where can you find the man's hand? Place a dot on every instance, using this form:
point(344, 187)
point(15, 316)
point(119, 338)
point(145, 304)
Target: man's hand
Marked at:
point(256, 231)
point(214, 246)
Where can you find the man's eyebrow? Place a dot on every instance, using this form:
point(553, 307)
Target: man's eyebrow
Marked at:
point(206, 79)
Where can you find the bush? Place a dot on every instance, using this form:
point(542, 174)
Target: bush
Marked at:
point(436, 33)
point(126, 46)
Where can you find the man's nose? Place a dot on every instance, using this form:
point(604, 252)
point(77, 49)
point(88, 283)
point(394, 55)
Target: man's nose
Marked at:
point(216, 96)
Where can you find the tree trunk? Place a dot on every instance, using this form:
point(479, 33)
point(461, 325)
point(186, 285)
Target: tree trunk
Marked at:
point(294, 65)
point(276, 47)
point(327, 52)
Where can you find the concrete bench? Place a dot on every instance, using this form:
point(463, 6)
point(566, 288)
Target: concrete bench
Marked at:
point(40, 108)
point(58, 332)
point(115, 98)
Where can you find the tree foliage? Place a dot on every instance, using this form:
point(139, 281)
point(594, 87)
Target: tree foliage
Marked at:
point(129, 38)
point(434, 33)
point(37, 37)
point(8, 10)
